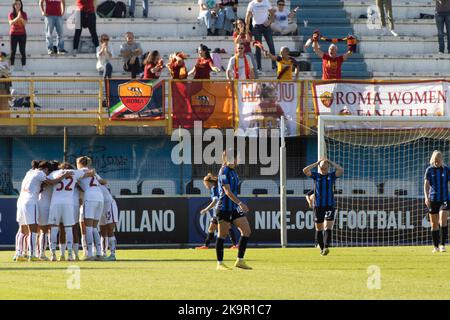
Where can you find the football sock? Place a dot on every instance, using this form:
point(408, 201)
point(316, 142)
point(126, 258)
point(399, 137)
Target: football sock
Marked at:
point(98, 242)
point(54, 239)
point(105, 242)
point(69, 239)
point(444, 235)
point(319, 236)
point(209, 238)
point(112, 244)
point(32, 242)
point(219, 249)
point(89, 241)
point(327, 237)
point(435, 237)
point(242, 247)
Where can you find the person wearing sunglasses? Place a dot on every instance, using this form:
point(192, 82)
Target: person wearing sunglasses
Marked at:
point(104, 56)
point(281, 24)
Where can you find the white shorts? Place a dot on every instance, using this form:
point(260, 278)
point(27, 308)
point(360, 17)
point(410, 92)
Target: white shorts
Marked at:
point(92, 210)
point(76, 213)
point(44, 212)
point(112, 215)
point(61, 213)
point(27, 213)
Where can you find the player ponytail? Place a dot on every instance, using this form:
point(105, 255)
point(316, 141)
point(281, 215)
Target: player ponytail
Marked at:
point(211, 178)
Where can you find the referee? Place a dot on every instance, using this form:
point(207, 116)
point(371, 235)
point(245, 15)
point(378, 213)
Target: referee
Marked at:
point(324, 200)
point(436, 181)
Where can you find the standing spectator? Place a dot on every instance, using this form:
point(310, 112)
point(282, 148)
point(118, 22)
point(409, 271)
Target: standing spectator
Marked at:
point(132, 7)
point(285, 65)
point(204, 65)
point(53, 13)
point(261, 14)
point(385, 8)
point(240, 65)
point(208, 13)
point(85, 17)
point(153, 65)
point(226, 16)
point(177, 66)
point(442, 18)
point(17, 21)
point(4, 86)
point(243, 36)
point(331, 63)
point(104, 56)
point(281, 24)
point(131, 51)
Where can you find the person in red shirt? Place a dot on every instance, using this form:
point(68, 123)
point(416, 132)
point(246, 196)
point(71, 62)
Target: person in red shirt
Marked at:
point(153, 65)
point(204, 65)
point(177, 66)
point(85, 18)
point(17, 21)
point(53, 12)
point(331, 63)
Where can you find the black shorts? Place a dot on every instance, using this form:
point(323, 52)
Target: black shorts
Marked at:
point(323, 213)
point(214, 220)
point(229, 216)
point(437, 206)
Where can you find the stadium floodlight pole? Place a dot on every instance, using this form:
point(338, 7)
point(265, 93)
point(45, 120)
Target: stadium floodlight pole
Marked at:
point(321, 137)
point(65, 145)
point(283, 194)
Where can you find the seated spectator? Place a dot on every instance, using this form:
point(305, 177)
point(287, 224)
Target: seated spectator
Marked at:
point(331, 63)
point(153, 65)
point(177, 66)
point(4, 86)
point(53, 12)
point(131, 51)
point(85, 17)
point(18, 35)
point(385, 7)
point(285, 64)
point(226, 16)
point(281, 24)
point(442, 18)
point(240, 65)
point(104, 56)
point(132, 7)
point(204, 65)
point(208, 13)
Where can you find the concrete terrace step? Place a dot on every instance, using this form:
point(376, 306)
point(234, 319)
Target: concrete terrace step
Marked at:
point(404, 27)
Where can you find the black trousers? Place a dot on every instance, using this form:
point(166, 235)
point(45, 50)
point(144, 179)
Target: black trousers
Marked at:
point(135, 68)
point(88, 20)
point(21, 41)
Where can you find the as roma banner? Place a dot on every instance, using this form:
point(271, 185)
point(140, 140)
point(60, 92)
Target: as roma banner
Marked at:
point(261, 104)
point(209, 102)
point(136, 99)
point(378, 98)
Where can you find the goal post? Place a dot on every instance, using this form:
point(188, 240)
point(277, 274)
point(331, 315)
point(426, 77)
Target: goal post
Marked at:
point(380, 199)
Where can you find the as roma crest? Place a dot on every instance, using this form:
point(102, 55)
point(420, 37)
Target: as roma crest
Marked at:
point(135, 95)
point(203, 104)
point(327, 99)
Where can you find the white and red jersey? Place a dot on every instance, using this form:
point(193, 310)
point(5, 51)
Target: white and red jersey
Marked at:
point(91, 188)
point(45, 197)
point(107, 197)
point(31, 185)
point(76, 197)
point(63, 190)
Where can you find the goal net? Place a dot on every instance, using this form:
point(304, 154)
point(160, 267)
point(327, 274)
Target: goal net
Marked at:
point(380, 199)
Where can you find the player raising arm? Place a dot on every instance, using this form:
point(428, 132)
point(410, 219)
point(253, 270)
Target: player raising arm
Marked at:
point(436, 181)
point(324, 200)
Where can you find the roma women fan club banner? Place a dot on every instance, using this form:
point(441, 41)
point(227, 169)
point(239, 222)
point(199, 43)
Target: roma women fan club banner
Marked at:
point(382, 98)
point(247, 105)
point(135, 99)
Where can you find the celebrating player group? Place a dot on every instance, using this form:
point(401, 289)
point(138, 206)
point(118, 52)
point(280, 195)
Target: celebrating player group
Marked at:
point(58, 202)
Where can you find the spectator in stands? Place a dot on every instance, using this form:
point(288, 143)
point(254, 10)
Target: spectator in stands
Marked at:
point(153, 65)
point(18, 35)
point(281, 24)
point(208, 13)
point(53, 12)
point(85, 17)
point(177, 66)
point(132, 7)
point(242, 35)
point(204, 65)
point(240, 65)
point(131, 51)
point(104, 56)
point(261, 14)
point(227, 15)
point(4, 85)
point(385, 8)
point(442, 18)
point(331, 63)
point(286, 65)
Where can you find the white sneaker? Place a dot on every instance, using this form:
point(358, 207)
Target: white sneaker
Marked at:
point(435, 250)
point(442, 248)
point(53, 257)
point(395, 34)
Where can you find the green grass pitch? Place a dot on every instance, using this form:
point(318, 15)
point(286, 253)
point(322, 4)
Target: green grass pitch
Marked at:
point(293, 273)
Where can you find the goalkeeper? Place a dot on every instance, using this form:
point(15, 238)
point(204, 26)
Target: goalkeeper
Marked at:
point(324, 200)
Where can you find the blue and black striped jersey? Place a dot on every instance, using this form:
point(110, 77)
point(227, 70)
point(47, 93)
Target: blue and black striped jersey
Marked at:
point(228, 176)
point(438, 179)
point(323, 189)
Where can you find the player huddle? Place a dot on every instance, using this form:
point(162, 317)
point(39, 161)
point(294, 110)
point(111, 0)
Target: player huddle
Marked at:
point(59, 202)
